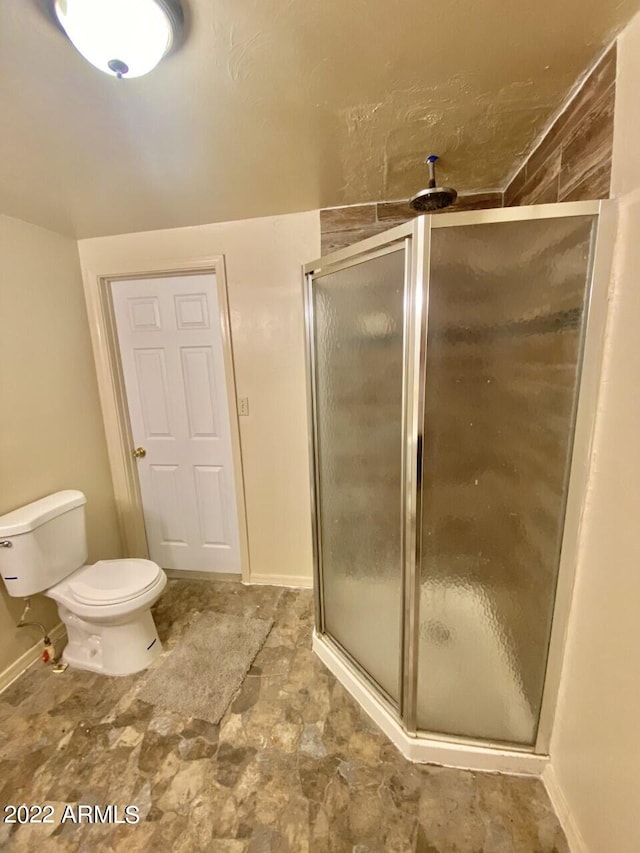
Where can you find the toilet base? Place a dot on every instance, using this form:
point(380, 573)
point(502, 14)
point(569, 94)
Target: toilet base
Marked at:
point(111, 649)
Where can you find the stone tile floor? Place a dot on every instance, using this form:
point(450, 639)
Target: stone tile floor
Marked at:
point(293, 766)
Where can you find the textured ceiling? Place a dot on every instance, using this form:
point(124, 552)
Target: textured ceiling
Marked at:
point(275, 106)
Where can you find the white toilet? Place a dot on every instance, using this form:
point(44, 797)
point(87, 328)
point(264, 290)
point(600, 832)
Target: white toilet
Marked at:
point(105, 606)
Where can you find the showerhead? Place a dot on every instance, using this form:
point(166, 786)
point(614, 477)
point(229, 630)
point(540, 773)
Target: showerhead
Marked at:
point(433, 198)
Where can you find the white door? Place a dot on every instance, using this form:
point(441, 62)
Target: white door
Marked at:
point(172, 358)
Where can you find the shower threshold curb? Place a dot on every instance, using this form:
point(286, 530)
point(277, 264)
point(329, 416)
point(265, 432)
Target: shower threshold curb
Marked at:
point(421, 749)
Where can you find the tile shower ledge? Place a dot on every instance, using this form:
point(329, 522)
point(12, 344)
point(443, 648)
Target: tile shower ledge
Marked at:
point(422, 749)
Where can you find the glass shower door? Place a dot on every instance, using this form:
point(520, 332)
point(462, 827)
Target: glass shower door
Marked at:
point(358, 330)
point(504, 342)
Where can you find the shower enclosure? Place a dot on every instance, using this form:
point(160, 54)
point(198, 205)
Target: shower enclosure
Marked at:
point(452, 367)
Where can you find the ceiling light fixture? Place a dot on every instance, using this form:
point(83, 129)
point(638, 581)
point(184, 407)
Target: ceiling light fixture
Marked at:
point(123, 38)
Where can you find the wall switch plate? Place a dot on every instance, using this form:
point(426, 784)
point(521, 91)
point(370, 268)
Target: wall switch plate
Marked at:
point(243, 406)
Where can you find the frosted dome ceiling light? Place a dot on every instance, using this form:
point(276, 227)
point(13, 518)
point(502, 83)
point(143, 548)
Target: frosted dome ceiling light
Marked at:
point(123, 38)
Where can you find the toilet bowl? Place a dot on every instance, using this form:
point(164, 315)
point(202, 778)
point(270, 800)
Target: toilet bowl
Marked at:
point(106, 610)
point(105, 606)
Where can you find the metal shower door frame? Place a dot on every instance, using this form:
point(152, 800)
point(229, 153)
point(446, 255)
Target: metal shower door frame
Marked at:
point(396, 239)
point(416, 236)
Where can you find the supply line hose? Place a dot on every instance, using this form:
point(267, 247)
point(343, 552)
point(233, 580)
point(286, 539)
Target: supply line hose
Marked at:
point(23, 624)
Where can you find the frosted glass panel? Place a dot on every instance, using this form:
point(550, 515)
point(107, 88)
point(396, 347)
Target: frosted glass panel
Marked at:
point(359, 357)
point(506, 307)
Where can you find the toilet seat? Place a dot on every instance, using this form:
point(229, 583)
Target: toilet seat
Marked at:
point(112, 581)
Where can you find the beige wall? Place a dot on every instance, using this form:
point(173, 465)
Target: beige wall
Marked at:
point(595, 750)
point(51, 434)
point(263, 263)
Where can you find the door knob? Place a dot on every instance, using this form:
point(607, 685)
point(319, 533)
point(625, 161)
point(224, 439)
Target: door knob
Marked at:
point(139, 453)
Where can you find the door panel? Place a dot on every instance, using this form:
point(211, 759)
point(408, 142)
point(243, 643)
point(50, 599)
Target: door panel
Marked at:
point(173, 365)
point(359, 333)
point(210, 489)
point(144, 314)
point(199, 386)
point(151, 376)
point(191, 311)
point(170, 518)
point(506, 310)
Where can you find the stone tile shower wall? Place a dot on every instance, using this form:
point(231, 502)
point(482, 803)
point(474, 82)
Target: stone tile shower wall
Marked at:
point(342, 226)
point(573, 160)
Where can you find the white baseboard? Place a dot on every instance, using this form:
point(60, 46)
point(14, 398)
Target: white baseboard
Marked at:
point(426, 750)
point(293, 581)
point(575, 840)
point(25, 660)
point(188, 575)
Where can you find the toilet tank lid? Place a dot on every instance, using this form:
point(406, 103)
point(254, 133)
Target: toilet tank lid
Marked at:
point(27, 518)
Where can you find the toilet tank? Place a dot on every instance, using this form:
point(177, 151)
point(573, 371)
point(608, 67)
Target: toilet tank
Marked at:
point(43, 542)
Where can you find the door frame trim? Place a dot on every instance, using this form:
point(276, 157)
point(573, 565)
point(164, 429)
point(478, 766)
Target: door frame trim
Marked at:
point(113, 400)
